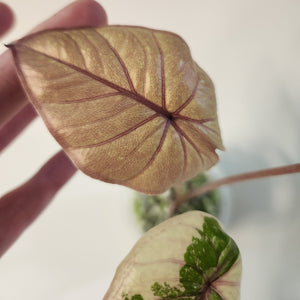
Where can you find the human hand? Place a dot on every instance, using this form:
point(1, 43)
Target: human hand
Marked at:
point(20, 207)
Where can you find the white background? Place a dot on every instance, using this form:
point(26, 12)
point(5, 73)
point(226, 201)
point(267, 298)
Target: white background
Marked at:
point(251, 50)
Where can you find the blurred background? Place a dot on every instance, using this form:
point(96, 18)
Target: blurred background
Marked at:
point(251, 50)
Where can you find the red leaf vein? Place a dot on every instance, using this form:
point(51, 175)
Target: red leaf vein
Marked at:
point(189, 99)
point(184, 150)
point(199, 122)
point(120, 135)
point(122, 63)
point(135, 96)
point(162, 72)
point(179, 130)
point(77, 48)
point(161, 142)
point(145, 60)
point(97, 120)
point(140, 144)
point(82, 100)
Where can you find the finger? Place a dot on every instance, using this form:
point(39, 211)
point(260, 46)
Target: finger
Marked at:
point(12, 96)
point(6, 18)
point(77, 14)
point(20, 207)
point(15, 126)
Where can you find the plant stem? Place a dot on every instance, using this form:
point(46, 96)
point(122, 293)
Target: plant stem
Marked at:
point(289, 169)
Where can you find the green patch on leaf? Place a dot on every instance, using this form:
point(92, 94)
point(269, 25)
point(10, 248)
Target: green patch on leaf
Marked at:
point(135, 297)
point(213, 295)
point(209, 256)
point(166, 290)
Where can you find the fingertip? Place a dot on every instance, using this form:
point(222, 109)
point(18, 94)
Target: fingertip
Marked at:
point(6, 18)
point(77, 14)
point(93, 12)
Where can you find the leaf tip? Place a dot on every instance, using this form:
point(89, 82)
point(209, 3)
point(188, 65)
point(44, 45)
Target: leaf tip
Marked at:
point(10, 45)
point(222, 147)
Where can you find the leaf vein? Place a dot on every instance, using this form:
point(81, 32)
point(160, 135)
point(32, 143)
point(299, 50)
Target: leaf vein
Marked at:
point(139, 145)
point(77, 48)
point(93, 98)
point(183, 149)
point(162, 72)
point(97, 120)
point(134, 96)
point(120, 60)
point(145, 60)
point(120, 134)
point(189, 140)
point(189, 99)
point(150, 162)
point(199, 122)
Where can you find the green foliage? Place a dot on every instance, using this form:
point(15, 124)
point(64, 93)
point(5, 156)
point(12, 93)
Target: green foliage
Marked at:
point(214, 296)
point(209, 202)
point(135, 297)
point(151, 210)
point(209, 256)
point(166, 291)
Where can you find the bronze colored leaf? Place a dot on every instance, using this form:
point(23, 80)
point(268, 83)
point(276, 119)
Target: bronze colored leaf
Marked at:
point(128, 104)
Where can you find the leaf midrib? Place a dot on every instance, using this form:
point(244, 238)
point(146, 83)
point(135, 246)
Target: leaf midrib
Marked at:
point(135, 96)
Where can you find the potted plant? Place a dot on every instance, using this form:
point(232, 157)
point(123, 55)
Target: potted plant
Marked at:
point(149, 146)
